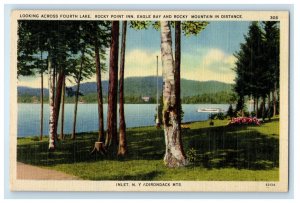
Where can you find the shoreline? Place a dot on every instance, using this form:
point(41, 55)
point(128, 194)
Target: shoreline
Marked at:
point(131, 128)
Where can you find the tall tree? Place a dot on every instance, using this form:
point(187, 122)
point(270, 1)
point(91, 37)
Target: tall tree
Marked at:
point(78, 79)
point(177, 69)
point(250, 67)
point(31, 46)
point(122, 151)
point(271, 36)
point(58, 96)
point(174, 156)
point(41, 68)
point(188, 28)
point(63, 109)
point(52, 137)
point(111, 136)
point(177, 79)
point(83, 69)
point(54, 39)
point(100, 39)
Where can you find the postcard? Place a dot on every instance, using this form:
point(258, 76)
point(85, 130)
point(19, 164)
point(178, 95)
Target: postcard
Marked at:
point(166, 101)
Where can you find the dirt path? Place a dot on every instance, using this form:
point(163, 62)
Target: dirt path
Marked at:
point(25, 171)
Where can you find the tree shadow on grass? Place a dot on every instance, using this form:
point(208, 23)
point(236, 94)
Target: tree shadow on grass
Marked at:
point(238, 146)
point(67, 151)
point(216, 147)
point(141, 146)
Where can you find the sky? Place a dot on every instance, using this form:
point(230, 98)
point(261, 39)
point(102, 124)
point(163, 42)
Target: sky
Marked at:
point(207, 56)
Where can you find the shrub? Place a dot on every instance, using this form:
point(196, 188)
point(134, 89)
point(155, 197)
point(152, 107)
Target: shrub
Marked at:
point(220, 116)
point(35, 138)
point(192, 155)
point(230, 111)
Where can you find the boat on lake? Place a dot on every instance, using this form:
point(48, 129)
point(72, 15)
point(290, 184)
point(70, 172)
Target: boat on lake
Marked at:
point(210, 110)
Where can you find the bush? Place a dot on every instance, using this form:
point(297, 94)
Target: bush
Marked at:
point(35, 138)
point(220, 116)
point(192, 155)
point(253, 114)
point(230, 111)
point(211, 116)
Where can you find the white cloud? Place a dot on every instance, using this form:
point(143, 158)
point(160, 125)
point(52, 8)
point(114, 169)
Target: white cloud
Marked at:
point(141, 63)
point(214, 65)
point(35, 82)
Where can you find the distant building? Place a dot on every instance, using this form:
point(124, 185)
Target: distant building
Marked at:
point(146, 99)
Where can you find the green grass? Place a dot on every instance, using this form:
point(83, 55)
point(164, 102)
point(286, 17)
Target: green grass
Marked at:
point(221, 153)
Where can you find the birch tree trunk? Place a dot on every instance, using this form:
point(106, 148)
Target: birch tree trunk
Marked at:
point(122, 151)
point(174, 156)
point(51, 104)
point(111, 136)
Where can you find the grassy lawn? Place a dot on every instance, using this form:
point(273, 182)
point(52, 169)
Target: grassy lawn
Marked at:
point(219, 153)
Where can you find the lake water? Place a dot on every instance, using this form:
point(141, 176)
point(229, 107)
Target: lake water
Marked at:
point(87, 116)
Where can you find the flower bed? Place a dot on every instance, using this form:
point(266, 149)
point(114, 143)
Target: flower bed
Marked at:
point(244, 121)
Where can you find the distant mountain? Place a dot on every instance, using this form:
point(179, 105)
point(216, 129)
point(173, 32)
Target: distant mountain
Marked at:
point(31, 91)
point(144, 86)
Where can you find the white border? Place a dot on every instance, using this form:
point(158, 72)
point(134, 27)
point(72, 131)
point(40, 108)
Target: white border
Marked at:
point(294, 130)
point(188, 186)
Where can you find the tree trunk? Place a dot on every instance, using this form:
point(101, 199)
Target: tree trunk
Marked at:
point(111, 137)
point(42, 106)
point(63, 110)
point(269, 101)
point(177, 69)
point(75, 111)
point(58, 93)
point(122, 151)
point(254, 105)
point(52, 138)
point(256, 101)
point(99, 146)
point(174, 156)
point(54, 82)
point(178, 77)
point(274, 100)
point(76, 100)
point(263, 108)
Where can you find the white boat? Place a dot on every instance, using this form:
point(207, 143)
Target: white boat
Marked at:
point(210, 110)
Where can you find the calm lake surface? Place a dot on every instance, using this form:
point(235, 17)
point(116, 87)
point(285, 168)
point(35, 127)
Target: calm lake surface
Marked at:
point(87, 116)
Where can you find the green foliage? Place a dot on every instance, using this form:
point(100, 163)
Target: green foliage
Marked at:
point(140, 25)
point(65, 41)
point(192, 156)
point(230, 111)
point(189, 28)
point(257, 65)
point(206, 98)
point(193, 27)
